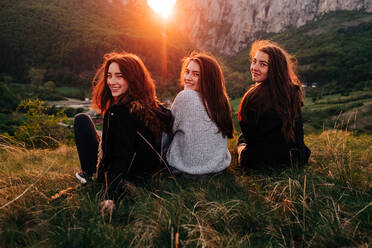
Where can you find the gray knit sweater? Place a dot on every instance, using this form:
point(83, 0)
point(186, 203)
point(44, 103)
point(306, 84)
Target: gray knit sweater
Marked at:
point(197, 146)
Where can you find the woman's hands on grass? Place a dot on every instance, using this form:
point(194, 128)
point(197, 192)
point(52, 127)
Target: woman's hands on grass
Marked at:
point(108, 206)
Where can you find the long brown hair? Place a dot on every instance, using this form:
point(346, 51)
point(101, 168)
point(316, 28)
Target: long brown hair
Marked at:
point(141, 87)
point(280, 91)
point(212, 90)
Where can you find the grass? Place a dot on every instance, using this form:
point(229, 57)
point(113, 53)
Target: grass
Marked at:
point(71, 92)
point(235, 109)
point(326, 204)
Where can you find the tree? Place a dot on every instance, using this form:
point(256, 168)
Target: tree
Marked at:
point(50, 86)
point(36, 76)
point(8, 100)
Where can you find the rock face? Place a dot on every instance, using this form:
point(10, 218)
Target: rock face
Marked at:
point(226, 26)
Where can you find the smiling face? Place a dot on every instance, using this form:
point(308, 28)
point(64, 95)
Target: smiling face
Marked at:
point(116, 81)
point(260, 67)
point(192, 76)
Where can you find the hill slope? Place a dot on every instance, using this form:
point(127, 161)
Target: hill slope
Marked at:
point(69, 38)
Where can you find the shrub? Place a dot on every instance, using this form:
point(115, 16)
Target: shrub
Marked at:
point(40, 130)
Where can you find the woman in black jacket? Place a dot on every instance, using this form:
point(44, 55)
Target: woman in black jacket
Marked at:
point(134, 120)
point(270, 111)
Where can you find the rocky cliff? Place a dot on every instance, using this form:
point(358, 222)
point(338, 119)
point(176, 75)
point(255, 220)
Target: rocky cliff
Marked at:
point(226, 26)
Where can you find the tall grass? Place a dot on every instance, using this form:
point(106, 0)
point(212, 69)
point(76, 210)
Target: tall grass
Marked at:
point(325, 204)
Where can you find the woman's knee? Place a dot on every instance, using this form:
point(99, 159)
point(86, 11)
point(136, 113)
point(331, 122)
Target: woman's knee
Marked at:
point(82, 120)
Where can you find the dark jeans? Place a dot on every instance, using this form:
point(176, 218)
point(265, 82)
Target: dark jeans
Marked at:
point(86, 140)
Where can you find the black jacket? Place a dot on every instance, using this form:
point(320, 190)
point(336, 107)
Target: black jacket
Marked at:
point(130, 145)
point(266, 145)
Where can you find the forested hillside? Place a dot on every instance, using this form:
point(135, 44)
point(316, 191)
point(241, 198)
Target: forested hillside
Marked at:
point(68, 38)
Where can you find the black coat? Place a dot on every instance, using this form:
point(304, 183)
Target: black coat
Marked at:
point(266, 145)
point(130, 148)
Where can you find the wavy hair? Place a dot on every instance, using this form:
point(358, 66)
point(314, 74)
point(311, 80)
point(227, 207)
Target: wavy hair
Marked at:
point(213, 91)
point(141, 87)
point(281, 90)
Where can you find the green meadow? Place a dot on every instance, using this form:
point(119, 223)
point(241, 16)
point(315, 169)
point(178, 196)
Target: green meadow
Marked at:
point(325, 204)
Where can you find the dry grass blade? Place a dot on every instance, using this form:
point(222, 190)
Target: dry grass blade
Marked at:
point(360, 211)
point(160, 157)
point(28, 188)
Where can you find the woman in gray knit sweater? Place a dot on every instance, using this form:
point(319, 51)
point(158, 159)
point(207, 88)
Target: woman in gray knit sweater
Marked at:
point(202, 119)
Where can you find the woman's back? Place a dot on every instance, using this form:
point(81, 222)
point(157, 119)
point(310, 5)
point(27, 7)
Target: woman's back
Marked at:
point(202, 118)
point(270, 111)
point(197, 146)
point(265, 141)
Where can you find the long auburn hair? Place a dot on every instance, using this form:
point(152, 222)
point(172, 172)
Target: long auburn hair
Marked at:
point(212, 91)
point(141, 87)
point(280, 91)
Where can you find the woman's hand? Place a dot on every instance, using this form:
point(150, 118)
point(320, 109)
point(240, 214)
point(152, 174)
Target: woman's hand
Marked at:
point(107, 205)
point(240, 149)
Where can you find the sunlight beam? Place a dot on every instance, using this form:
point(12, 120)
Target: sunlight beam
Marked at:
point(162, 7)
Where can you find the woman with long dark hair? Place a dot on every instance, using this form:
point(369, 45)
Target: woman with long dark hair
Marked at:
point(202, 119)
point(124, 92)
point(270, 111)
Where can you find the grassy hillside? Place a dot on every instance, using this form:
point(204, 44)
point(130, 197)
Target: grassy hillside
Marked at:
point(352, 112)
point(335, 50)
point(326, 204)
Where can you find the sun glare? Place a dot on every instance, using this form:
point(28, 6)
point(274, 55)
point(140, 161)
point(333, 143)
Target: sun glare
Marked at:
point(162, 7)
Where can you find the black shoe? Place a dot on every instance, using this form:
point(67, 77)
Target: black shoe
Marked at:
point(83, 177)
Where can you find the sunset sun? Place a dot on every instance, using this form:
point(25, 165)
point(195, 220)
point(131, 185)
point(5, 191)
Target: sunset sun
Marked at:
point(162, 7)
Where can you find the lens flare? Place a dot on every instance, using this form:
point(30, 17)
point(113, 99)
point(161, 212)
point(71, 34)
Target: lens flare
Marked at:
point(162, 7)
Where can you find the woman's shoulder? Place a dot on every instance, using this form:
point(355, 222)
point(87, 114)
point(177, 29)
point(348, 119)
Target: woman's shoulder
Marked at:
point(187, 95)
point(133, 110)
point(187, 100)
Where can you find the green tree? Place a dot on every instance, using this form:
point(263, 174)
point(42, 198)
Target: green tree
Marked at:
point(36, 76)
point(47, 91)
point(8, 100)
point(7, 79)
point(50, 86)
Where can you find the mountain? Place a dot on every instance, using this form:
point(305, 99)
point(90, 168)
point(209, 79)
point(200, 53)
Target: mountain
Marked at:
point(226, 26)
